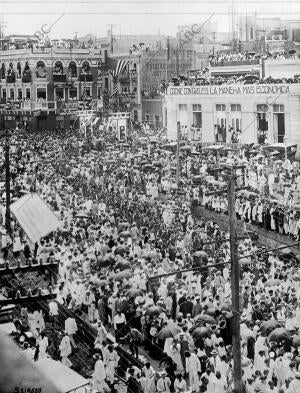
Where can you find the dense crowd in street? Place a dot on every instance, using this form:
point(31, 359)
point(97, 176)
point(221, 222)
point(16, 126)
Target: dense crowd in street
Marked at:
point(128, 229)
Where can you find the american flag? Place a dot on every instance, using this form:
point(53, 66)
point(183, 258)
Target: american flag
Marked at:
point(120, 67)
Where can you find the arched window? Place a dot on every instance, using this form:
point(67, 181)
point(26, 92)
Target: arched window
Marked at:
point(58, 68)
point(86, 69)
point(72, 69)
point(41, 69)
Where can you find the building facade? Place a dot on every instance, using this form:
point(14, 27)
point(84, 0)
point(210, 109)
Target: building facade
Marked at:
point(255, 113)
point(44, 88)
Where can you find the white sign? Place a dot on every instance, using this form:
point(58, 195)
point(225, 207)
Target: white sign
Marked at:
point(228, 90)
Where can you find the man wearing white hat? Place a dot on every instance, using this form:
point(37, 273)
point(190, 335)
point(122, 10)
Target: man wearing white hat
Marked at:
point(163, 383)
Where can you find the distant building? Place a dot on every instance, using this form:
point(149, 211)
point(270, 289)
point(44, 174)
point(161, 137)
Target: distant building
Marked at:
point(152, 59)
point(43, 87)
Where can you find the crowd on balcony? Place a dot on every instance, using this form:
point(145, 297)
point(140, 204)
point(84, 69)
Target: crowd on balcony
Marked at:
point(151, 93)
point(220, 58)
point(207, 80)
point(36, 44)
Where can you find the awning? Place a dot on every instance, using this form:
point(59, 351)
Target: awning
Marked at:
point(35, 217)
point(64, 378)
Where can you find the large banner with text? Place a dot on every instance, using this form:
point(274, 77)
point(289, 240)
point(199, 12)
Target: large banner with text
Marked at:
point(229, 90)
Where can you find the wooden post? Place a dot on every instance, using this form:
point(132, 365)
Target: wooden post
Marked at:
point(178, 154)
point(235, 286)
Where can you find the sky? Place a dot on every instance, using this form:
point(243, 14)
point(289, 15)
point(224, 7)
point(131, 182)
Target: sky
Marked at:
point(131, 16)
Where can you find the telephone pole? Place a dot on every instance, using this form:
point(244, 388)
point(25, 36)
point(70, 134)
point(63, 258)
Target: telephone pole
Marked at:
point(7, 182)
point(235, 283)
point(178, 154)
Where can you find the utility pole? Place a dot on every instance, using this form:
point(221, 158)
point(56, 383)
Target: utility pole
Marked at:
point(235, 284)
point(7, 182)
point(178, 154)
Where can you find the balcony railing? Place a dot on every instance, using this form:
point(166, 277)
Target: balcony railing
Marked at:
point(11, 79)
point(233, 63)
point(59, 78)
point(26, 79)
point(86, 78)
point(38, 105)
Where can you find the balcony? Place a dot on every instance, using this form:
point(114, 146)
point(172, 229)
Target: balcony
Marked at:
point(59, 78)
point(38, 105)
point(26, 78)
point(11, 78)
point(233, 63)
point(86, 78)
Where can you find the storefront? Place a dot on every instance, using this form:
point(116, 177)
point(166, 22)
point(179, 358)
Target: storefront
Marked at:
point(234, 113)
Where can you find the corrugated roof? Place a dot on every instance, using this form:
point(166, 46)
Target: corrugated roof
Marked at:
point(34, 216)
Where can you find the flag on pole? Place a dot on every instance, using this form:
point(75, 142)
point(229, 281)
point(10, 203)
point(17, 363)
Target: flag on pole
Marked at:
point(120, 67)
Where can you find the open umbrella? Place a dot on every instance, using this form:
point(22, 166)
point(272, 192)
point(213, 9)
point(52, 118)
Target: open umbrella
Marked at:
point(105, 262)
point(211, 311)
point(121, 250)
point(246, 332)
point(123, 265)
point(269, 326)
point(168, 331)
point(205, 318)
point(154, 310)
point(296, 341)
point(82, 214)
point(200, 332)
point(124, 274)
point(200, 254)
point(100, 283)
point(272, 283)
point(132, 292)
point(123, 226)
point(279, 334)
point(226, 307)
point(125, 234)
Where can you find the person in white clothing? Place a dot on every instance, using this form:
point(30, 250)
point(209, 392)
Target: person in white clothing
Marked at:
point(179, 384)
point(111, 360)
point(193, 368)
point(99, 375)
point(43, 345)
point(163, 383)
point(65, 350)
point(71, 329)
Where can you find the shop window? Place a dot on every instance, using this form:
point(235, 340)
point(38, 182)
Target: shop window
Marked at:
point(262, 123)
point(41, 93)
point(60, 93)
point(279, 123)
point(221, 122)
point(73, 93)
point(197, 115)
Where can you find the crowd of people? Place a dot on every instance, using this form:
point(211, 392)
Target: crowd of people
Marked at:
point(220, 58)
point(127, 232)
point(208, 80)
